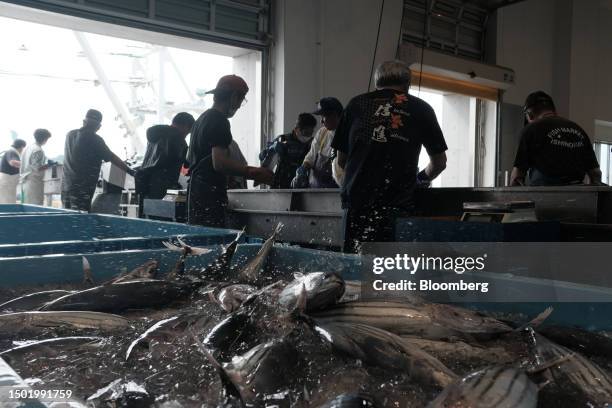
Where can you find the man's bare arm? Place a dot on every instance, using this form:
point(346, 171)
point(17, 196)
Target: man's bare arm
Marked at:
point(121, 164)
point(437, 164)
point(517, 178)
point(224, 164)
point(595, 176)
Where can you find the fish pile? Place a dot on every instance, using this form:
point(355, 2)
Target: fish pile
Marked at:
point(224, 336)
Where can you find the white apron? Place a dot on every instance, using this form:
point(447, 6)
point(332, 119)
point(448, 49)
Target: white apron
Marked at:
point(8, 188)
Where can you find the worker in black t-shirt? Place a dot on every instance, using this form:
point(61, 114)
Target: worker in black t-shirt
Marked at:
point(209, 158)
point(166, 150)
point(553, 151)
point(378, 142)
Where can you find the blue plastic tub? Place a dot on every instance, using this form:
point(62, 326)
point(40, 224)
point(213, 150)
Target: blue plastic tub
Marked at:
point(284, 261)
point(28, 209)
point(84, 233)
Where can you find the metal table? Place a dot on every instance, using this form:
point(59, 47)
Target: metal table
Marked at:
point(314, 216)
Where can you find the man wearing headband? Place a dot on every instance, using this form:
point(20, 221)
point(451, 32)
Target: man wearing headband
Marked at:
point(84, 152)
point(553, 151)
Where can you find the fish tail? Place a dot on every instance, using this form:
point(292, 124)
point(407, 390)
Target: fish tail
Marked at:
point(87, 275)
point(538, 320)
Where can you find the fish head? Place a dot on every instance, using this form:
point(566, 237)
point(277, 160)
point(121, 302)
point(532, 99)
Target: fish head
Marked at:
point(264, 370)
point(149, 269)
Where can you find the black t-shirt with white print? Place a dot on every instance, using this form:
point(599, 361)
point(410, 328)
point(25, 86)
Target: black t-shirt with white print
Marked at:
point(557, 147)
point(382, 133)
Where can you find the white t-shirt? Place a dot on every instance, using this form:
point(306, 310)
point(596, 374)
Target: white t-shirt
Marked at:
point(321, 145)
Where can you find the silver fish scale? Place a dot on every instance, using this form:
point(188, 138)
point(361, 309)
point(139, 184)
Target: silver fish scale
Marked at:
point(496, 387)
point(585, 375)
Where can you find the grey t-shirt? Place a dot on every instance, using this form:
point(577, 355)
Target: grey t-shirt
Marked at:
point(84, 153)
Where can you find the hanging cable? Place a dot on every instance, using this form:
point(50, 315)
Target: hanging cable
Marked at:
point(382, 8)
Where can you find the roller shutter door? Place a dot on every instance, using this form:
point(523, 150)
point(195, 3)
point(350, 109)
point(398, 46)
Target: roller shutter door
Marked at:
point(243, 23)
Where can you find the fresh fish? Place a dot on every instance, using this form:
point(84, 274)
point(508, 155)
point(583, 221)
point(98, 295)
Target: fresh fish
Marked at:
point(170, 324)
point(15, 322)
point(460, 350)
point(231, 297)
point(135, 294)
point(352, 291)
point(148, 270)
point(229, 332)
point(378, 347)
point(583, 341)
point(250, 272)
point(185, 250)
point(576, 377)
point(54, 342)
point(147, 333)
point(494, 387)
point(262, 376)
point(120, 393)
point(427, 320)
point(350, 401)
point(32, 301)
point(219, 269)
point(322, 289)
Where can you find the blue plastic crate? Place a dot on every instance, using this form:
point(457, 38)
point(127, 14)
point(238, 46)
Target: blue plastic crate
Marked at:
point(83, 233)
point(284, 261)
point(28, 209)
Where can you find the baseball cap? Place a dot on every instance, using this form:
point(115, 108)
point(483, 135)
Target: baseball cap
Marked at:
point(537, 98)
point(329, 104)
point(94, 115)
point(229, 83)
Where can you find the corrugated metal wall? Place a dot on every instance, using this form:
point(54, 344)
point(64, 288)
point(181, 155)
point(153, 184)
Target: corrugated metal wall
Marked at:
point(243, 23)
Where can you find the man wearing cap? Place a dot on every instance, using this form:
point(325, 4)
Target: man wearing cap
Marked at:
point(317, 164)
point(84, 152)
point(290, 149)
point(553, 151)
point(379, 140)
point(210, 162)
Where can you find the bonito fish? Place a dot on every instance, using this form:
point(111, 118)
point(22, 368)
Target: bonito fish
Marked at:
point(495, 387)
point(135, 294)
point(55, 342)
point(322, 289)
point(427, 320)
point(148, 270)
point(15, 322)
point(250, 272)
point(378, 347)
point(573, 373)
point(219, 269)
point(350, 401)
point(231, 297)
point(32, 301)
point(262, 376)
